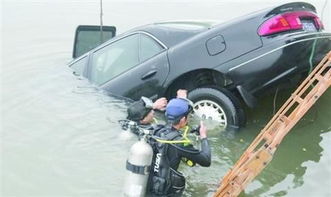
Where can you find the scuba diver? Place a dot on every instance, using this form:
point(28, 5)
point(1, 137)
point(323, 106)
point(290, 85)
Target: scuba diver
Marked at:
point(141, 115)
point(170, 147)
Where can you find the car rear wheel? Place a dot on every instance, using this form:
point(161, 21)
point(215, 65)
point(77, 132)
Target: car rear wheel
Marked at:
point(218, 105)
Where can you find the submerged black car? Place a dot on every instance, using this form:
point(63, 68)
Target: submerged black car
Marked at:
point(223, 66)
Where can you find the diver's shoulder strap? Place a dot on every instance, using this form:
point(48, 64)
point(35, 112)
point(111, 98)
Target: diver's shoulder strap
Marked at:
point(166, 133)
point(172, 135)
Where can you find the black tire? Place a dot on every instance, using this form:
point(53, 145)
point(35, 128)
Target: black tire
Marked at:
point(218, 104)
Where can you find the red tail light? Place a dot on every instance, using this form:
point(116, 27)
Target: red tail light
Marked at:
point(289, 21)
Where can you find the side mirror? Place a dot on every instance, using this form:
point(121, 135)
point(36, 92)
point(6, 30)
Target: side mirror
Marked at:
point(88, 37)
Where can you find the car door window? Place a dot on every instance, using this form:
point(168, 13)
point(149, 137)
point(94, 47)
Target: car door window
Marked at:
point(79, 65)
point(148, 47)
point(114, 59)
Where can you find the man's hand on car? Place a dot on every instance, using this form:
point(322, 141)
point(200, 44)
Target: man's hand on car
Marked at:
point(160, 104)
point(181, 93)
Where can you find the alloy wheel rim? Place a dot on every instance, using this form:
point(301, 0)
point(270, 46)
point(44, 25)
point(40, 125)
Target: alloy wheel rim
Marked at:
point(209, 110)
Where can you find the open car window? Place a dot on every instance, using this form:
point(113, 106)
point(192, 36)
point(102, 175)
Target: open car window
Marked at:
point(79, 65)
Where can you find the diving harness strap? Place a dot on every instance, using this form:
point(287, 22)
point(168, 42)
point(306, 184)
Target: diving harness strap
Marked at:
point(137, 169)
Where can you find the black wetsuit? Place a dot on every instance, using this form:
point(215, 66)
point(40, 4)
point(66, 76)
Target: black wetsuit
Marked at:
point(165, 180)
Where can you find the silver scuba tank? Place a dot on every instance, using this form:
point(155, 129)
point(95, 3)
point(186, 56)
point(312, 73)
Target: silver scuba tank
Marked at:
point(138, 167)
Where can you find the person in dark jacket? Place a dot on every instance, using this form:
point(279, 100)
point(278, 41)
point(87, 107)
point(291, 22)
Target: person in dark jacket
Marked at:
point(170, 149)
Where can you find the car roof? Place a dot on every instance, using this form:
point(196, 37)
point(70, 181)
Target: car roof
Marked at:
point(172, 33)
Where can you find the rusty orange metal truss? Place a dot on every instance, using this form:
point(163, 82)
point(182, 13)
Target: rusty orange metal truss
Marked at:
point(260, 152)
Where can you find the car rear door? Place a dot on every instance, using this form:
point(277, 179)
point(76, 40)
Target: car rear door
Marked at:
point(133, 66)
